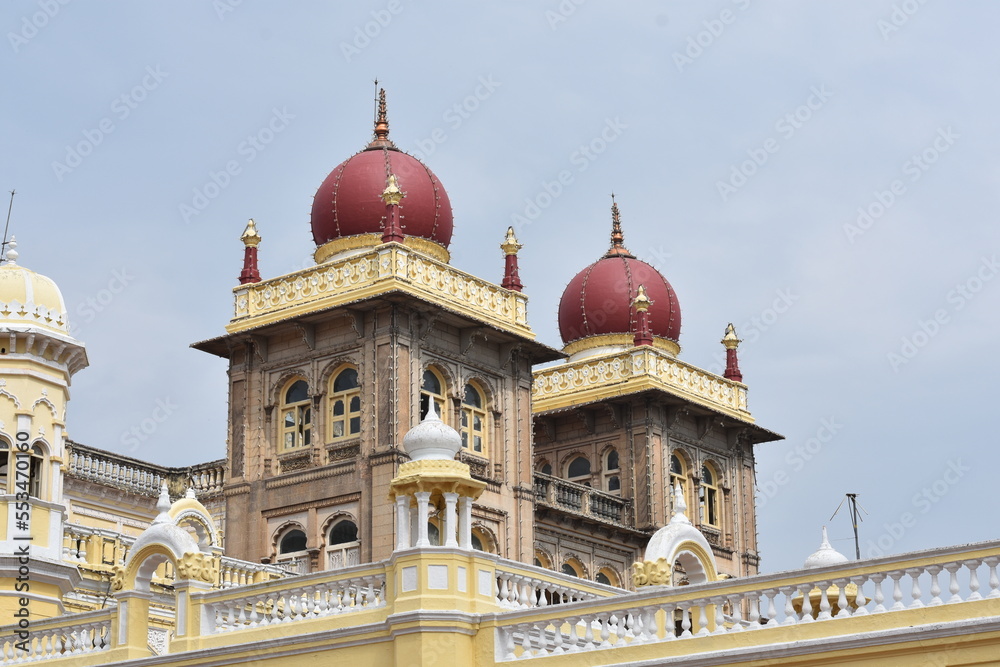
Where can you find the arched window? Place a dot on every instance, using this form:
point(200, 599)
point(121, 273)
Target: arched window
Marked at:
point(573, 568)
point(578, 471)
point(608, 577)
point(545, 468)
point(296, 415)
point(708, 496)
point(474, 420)
point(343, 548)
point(4, 466)
point(542, 559)
point(292, 541)
point(345, 404)
point(678, 475)
point(292, 552)
point(36, 472)
point(432, 388)
point(612, 472)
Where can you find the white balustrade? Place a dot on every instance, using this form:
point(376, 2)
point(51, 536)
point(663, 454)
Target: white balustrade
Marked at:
point(85, 636)
point(644, 618)
point(287, 605)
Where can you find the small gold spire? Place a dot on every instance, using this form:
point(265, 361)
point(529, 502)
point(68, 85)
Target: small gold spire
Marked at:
point(392, 195)
point(730, 341)
point(510, 246)
point(250, 236)
point(617, 237)
point(641, 301)
point(381, 139)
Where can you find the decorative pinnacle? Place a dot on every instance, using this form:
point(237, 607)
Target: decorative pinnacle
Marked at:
point(641, 301)
point(392, 195)
point(510, 246)
point(12, 254)
point(825, 544)
point(381, 139)
point(618, 248)
point(680, 506)
point(730, 341)
point(250, 236)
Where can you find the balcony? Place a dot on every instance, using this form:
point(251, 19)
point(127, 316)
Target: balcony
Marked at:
point(583, 501)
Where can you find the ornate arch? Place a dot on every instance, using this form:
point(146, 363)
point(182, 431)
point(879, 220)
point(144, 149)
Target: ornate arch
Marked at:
point(450, 378)
point(336, 517)
point(489, 534)
point(281, 530)
point(546, 555)
point(49, 404)
point(284, 380)
point(336, 364)
point(6, 394)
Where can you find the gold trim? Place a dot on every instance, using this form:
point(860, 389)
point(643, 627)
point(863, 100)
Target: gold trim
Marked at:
point(361, 241)
point(628, 340)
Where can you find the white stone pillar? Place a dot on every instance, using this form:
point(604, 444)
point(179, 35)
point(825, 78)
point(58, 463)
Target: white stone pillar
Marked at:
point(423, 513)
point(402, 522)
point(450, 501)
point(465, 522)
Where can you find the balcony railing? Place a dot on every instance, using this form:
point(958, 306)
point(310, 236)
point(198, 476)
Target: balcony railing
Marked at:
point(142, 478)
point(855, 589)
point(583, 500)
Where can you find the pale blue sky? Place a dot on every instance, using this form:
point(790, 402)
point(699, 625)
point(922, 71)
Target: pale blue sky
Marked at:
point(684, 92)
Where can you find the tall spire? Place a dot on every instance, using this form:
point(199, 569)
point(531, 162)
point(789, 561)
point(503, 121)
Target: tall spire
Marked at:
point(510, 246)
point(381, 139)
point(251, 239)
point(731, 342)
point(392, 230)
point(641, 303)
point(618, 248)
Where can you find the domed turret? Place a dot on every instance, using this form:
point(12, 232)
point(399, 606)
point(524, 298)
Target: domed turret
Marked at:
point(825, 555)
point(29, 299)
point(596, 311)
point(348, 211)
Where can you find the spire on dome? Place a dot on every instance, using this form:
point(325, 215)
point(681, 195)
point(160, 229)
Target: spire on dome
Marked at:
point(392, 230)
point(12, 254)
point(251, 239)
point(680, 506)
point(510, 246)
point(825, 555)
point(381, 139)
point(617, 237)
point(163, 505)
point(641, 303)
point(731, 342)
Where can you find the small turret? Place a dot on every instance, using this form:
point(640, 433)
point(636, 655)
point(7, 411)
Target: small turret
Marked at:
point(251, 239)
point(392, 230)
point(510, 246)
point(731, 342)
point(641, 303)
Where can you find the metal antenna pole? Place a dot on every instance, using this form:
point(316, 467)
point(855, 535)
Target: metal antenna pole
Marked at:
point(3, 246)
point(856, 518)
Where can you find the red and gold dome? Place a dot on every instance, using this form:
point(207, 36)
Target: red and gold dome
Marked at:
point(596, 310)
point(348, 211)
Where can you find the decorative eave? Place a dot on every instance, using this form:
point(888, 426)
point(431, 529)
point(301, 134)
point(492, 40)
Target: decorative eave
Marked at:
point(633, 371)
point(387, 271)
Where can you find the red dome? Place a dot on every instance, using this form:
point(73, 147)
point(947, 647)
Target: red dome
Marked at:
point(349, 201)
point(599, 299)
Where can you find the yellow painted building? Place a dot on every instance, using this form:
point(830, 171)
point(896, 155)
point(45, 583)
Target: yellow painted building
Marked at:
point(411, 491)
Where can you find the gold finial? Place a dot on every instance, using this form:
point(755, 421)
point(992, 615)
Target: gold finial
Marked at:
point(392, 195)
point(250, 236)
point(617, 237)
point(510, 246)
point(730, 341)
point(381, 139)
point(641, 301)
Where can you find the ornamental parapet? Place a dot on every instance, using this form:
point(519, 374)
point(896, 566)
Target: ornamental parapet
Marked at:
point(391, 267)
point(632, 371)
